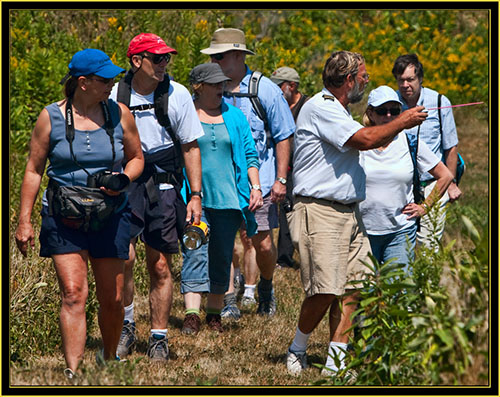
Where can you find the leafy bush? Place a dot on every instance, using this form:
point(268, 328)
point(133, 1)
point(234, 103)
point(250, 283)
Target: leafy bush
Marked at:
point(407, 329)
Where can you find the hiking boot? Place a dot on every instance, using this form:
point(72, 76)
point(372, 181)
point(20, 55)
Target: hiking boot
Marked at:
point(127, 339)
point(191, 325)
point(296, 362)
point(247, 301)
point(230, 310)
point(267, 303)
point(102, 362)
point(214, 322)
point(349, 376)
point(158, 348)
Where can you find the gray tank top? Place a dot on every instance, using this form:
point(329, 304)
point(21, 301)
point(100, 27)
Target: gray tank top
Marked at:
point(92, 149)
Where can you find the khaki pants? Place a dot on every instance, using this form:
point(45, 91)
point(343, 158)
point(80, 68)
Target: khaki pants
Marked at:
point(432, 224)
point(332, 242)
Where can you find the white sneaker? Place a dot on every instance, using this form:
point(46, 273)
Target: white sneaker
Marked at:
point(296, 362)
point(325, 372)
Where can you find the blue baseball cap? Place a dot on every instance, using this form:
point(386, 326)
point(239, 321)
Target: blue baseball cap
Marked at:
point(92, 61)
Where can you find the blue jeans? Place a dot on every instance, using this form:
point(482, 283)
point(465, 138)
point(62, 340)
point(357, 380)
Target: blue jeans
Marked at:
point(208, 268)
point(395, 245)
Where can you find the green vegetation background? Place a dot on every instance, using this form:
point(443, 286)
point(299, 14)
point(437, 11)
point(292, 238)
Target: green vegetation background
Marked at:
point(454, 48)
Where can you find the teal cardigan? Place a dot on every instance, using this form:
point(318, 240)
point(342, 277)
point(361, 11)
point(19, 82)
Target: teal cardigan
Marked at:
point(244, 156)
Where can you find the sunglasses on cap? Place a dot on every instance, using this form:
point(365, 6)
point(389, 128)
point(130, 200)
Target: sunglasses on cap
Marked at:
point(384, 111)
point(158, 58)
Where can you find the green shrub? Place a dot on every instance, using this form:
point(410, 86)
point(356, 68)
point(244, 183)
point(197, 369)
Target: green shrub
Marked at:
point(407, 330)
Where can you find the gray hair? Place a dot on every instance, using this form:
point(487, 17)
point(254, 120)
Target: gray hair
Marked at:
point(339, 65)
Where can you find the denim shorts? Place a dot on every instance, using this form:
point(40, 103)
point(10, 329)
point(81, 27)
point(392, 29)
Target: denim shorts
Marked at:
point(111, 242)
point(399, 246)
point(208, 268)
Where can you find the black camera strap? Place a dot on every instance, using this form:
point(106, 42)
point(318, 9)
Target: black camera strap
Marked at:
point(70, 130)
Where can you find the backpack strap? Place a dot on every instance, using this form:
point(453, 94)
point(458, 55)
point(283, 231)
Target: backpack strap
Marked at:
point(70, 131)
point(413, 148)
point(160, 106)
point(253, 91)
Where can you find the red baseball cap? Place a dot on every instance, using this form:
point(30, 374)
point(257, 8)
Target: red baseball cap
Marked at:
point(148, 42)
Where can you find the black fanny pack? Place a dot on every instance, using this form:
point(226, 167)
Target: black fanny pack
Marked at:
point(82, 208)
point(85, 208)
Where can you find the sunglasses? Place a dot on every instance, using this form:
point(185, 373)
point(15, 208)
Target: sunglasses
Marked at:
point(383, 111)
point(158, 58)
point(102, 80)
point(217, 57)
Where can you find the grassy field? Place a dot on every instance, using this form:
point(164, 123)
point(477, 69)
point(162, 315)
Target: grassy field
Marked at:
point(250, 352)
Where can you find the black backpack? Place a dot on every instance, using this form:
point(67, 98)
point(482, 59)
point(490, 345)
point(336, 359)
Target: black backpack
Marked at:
point(160, 106)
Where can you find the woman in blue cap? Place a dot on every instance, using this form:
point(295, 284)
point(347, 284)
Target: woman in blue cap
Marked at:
point(86, 139)
point(390, 211)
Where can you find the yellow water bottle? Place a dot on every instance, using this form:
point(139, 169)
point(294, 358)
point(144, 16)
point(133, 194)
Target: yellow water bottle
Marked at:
point(195, 235)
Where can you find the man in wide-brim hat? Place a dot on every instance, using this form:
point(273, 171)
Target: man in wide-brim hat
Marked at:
point(228, 49)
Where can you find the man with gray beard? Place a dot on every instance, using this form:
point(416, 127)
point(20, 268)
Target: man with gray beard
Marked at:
point(329, 182)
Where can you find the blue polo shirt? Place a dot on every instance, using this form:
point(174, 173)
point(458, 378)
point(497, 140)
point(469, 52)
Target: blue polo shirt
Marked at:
point(280, 121)
point(429, 129)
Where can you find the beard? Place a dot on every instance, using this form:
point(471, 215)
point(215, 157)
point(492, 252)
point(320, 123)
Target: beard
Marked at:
point(356, 94)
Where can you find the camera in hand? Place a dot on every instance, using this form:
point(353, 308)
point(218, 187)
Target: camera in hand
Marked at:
point(116, 182)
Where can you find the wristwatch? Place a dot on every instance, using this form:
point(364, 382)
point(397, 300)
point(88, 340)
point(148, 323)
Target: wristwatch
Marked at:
point(281, 180)
point(256, 187)
point(199, 194)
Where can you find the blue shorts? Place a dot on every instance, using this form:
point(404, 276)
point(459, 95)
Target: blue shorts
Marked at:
point(158, 224)
point(399, 246)
point(111, 242)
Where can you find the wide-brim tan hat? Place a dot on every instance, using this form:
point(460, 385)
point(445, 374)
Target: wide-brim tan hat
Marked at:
point(227, 39)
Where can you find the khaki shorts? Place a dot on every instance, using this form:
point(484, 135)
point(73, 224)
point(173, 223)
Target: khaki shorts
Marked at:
point(332, 242)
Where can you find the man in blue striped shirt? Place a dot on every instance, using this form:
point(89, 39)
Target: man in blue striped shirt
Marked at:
point(409, 74)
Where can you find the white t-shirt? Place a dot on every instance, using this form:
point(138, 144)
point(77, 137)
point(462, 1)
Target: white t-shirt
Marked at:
point(323, 166)
point(389, 184)
point(181, 112)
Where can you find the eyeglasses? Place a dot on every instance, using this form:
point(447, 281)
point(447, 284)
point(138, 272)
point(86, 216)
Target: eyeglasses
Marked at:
point(102, 80)
point(384, 111)
point(222, 83)
point(158, 58)
point(217, 57)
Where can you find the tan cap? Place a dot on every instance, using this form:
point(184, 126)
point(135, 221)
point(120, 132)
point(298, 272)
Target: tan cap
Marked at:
point(285, 74)
point(227, 39)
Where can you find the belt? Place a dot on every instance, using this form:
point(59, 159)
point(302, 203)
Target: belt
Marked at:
point(330, 202)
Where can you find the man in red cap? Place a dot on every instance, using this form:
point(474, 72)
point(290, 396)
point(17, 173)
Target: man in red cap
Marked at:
point(168, 127)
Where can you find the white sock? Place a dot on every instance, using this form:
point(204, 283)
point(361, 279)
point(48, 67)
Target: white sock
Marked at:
point(249, 291)
point(162, 332)
point(299, 344)
point(336, 352)
point(129, 313)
